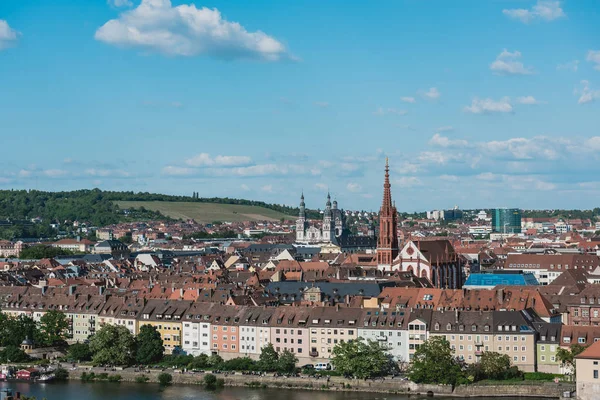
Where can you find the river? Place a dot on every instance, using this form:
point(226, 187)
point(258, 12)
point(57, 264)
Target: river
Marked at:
point(75, 390)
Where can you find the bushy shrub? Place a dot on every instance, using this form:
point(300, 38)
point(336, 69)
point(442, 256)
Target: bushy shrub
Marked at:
point(165, 379)
point(210, 382)
point(115, 378)
point(540, 376)
point(141, 379)
point(61, 374)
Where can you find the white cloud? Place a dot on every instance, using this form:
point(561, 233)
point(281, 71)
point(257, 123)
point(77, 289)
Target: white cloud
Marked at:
point(530, 100)
point(547, 10)
point(431, 94)
point(408, 99)
point(444, 129)
point(508, 63)
point(407, 168)
point(205, 160)
point(321, 186)
point(322, 104)
point(177, 171)
point(120, 3)
point(594, 57)
point(587, 95)
point(449, 178)
point(245, 187)
point(443, 141)
point(570, 66)
point(487, 106)
point(486, 176)
point(8, 36)
point(354, 187)
point(267, 188)
point(184, 30)
point(385, 111)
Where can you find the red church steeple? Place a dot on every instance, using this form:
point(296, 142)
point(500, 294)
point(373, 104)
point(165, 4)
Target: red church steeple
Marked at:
point(387, 243)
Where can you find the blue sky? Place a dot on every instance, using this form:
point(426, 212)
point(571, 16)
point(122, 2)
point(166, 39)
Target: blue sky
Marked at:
point(479, 104)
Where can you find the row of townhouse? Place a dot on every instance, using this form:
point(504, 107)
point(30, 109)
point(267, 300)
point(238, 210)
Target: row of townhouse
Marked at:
point(311, 333)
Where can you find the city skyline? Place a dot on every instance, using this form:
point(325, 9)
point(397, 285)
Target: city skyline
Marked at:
point(269, 100)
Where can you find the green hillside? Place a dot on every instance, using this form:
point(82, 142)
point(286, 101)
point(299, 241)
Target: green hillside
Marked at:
point(207, 212)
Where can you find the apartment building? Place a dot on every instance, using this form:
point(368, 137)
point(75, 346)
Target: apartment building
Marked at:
point(290, 331)
point(196, 329)
point(255, 332)
point(387, 327)
point(547, 267)
point(547, 344)
point(166, 317)
point(225, 339)
point(330, 326)
point(515, 336)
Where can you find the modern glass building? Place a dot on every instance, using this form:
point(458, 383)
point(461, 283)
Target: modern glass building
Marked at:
point(506, 220)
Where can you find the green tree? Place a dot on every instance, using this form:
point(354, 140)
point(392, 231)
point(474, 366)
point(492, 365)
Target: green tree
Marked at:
point(210, 382)
point(61, 374)
point(53, 327)
point(113, 345)
point(567, 357)
point(126, 239)
point(287, 362)
point(435, 363)
point(13, 330)
point(268, 359)
point(362, 359)
point(150, 347)
point(13, 354)
point(493, 365)
point(42, 251)
point(199, 362)
point(79, 352)
point(215, 361)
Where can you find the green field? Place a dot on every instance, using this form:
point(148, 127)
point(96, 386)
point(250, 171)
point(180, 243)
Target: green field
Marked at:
point(207, 212)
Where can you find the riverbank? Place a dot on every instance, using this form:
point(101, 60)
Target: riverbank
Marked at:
point(544, 390)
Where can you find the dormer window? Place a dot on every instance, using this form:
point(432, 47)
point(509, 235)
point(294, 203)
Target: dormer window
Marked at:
point(486, 328)
point(499, 328)
point(437, 326)
point(461, 328)
point(473, 328)
point(448, 327)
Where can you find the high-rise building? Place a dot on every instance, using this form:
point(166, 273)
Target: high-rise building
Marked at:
point(387, 244)
point(506, 220)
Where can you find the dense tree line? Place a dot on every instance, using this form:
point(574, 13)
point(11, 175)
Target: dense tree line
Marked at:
point(19, 207)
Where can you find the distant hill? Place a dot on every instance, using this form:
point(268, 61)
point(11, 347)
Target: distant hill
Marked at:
point(207, 212)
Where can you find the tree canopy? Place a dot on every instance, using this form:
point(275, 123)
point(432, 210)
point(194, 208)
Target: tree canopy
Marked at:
point(269, 359)
point(362, 359)
point(150, 347)
point(113, 345)
point(434, 362)
point(53, 327)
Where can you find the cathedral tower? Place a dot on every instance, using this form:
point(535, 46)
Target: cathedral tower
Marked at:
point(328, 228)
point(301, 221)
point(387, 243)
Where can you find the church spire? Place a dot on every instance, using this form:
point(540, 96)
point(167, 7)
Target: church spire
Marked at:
point(302, 206)
point(387, 243)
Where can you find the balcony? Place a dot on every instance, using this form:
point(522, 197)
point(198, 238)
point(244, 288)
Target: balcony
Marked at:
point(478, 353)
point(314, 354)
point(382, 338)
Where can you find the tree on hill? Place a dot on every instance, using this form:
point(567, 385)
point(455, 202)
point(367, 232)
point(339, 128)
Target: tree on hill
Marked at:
point(13, 330)
point(150, 347)
point(113, 345)
point(42, 251)
point(362, 359)
point(53, 327)
point(434, 362)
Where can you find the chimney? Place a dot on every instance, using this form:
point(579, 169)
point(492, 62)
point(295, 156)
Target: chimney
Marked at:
point(72, 289)
point(500, 295)
point(100, 290)
point(456, 315)
point(44, 290)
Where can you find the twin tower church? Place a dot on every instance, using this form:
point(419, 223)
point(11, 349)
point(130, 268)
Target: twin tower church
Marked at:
point(434, 259)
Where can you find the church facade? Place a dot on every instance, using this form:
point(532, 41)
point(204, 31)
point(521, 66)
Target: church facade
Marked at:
point(331, 228)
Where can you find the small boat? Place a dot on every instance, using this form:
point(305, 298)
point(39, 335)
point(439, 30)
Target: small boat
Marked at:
point(44, 378)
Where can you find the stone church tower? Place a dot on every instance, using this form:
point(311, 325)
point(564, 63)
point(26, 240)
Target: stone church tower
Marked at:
point(301, 221)
point(387, 244)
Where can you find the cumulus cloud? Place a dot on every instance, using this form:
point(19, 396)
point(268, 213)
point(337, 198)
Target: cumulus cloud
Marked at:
point(408, 99)
point(586, 93)
point(8, 36)
point(156, 26)
point(408, 181)
point(545, 10)
point(206, 160)
point(267, 188)
point(431, 94)
point(353, 187)
point(443, 141)
point(508, 63)
point(570, 66)
point(321, 186)
point(386, 111)
point(529, 100)
point(244, 187)
point(55, 173)
point(593, 56)
point(489, 106)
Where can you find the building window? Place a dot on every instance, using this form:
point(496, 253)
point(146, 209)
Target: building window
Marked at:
point(543, 358)
point(595, 374)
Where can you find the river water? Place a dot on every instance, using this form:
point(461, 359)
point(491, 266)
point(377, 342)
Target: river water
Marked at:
point(75, 390)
